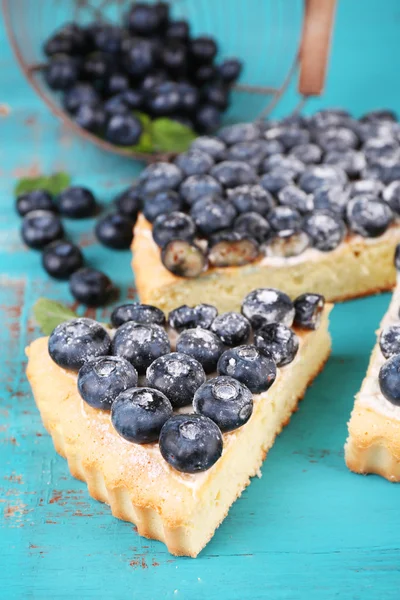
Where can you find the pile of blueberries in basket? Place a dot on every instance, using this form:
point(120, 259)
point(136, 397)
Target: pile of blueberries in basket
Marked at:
point(274, 189)
point(148, 63)
point(242, 351)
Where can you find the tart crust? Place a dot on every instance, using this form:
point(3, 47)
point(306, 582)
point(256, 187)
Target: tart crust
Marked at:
point(357, 267)
point(181, 510)
point(373, 445)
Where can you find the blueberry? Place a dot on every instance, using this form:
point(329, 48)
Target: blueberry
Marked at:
point(296, 198)
point(308, 310)
point(365, 186)
point(178, 30)
point(174, 58)
point(183, 317)
point(190, 443)
point(336, 138)
point(287, 164)
point(108, 37)
point(368, 216)
point(249, 366)
point(253, 225)
point(212, 214)
point(61, 72)
point(101, 380)
point(116, 83)
point(189, 97)
point(275, 180)
point(133, 99)
point(351, 161)
point(226, 401)
point(229, 70)
point(81, 93)
point(325, 229)
point(74, 342)
point(197, 186)
point(115, 231)
point(203, 49)
point(216, 94)
point(138, 414)
point(97, 66)
point(124, 130)
point(379, 115)
point(207, 118)
point(173, 226)
point(251, 198)
point(331, 198)
point(389, 340)
point(183, 258)
point(277, 341)
point(212, 146)
point(204, 74)
point(379, 149)
point(232, 328)
point(76, 202)
point(241, 132)
point(161, 203)
point(35, 200)
point(194, 162)
point(389, 379)
point(129, 203)
point(91, 118)
point(231, 248)
point(391, 195)
point(61, 258)
point(144, 19)
point(232, 173)
point(322, 175)
point(203, 345)
point(308, 153)
point(205, 315)
point(268, 305)
point(159, 177)
point(40, 227)
point(323, 119)
point(140, 343)
point(283, 218)
point(164, 99)
point(138, 57)
point(151, 80)
point(116, 106)
point(286, 243)
point(70, 39)
point(288, 136)
point(397, 257)
point(176, 375)
point(91, 287)
point(252, 153)
point(145, 314)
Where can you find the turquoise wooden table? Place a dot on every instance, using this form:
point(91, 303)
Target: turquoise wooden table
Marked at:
point(308, 529)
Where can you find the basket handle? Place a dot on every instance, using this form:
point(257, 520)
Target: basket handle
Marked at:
point(315, 43)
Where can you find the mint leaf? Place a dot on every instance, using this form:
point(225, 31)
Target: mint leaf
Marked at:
point(54, 184)
point(49, 313)
point(171, 136)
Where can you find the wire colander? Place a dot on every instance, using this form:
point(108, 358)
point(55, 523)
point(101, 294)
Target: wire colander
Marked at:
point(276, 39)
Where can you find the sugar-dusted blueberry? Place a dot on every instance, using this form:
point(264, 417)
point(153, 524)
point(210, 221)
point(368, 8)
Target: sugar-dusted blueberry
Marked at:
point(183, 258)
point(378, 149)
point(296, 198)
point(91, 287)
point(231, 248)
point(332, 117)
point(211, 214)
point(230, 69)
point(173, 226)
point(379, 115)
point(308, 310)
point(391, 195)
point(282, 218)
point(226, 401)
point(231, 173)
point(203, 345)
point(286, 243)
point(183, 317)
point(232, 328)
point(272, 147)
point(210, 145)
point(321, 175)
point(176, 375)
point(268, 305)
point(205, 314)
point(35, 200)
point(197, 186)
point(144, 314)
point(288, 135)
point(140, 343)
point(159, 177)
point(161, 203)
point(62, 258)
point(61, 72)
point(138, 414)
point(275, 180)
point(76, 202)
point(101, 379)
point(277, 341)
point(115, 231)
point(129, 203)
point(351, 161)
point(191, 443)
point(207, 118)
point(365, 186)
point(253, 225)
point(249, 366)
point(240, 132)
point(287, 164)
point(251, 198)
point(251, 153)
point(74, 342)
point(336, 138)
point(368, 216)
point(194, 162)
point(309, 154)
point(40, 227)
point(389, 379)
point(326, 230)
point(389, 340)
point(332, 198)
point(80, 94)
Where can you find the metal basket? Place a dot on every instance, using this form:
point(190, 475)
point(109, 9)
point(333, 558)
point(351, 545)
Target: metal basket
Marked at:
point(277, 40)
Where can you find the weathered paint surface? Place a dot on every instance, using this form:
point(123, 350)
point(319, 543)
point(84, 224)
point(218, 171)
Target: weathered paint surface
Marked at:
point(308, 529)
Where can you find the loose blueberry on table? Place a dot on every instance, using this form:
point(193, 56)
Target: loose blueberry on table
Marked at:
point(135, 373)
